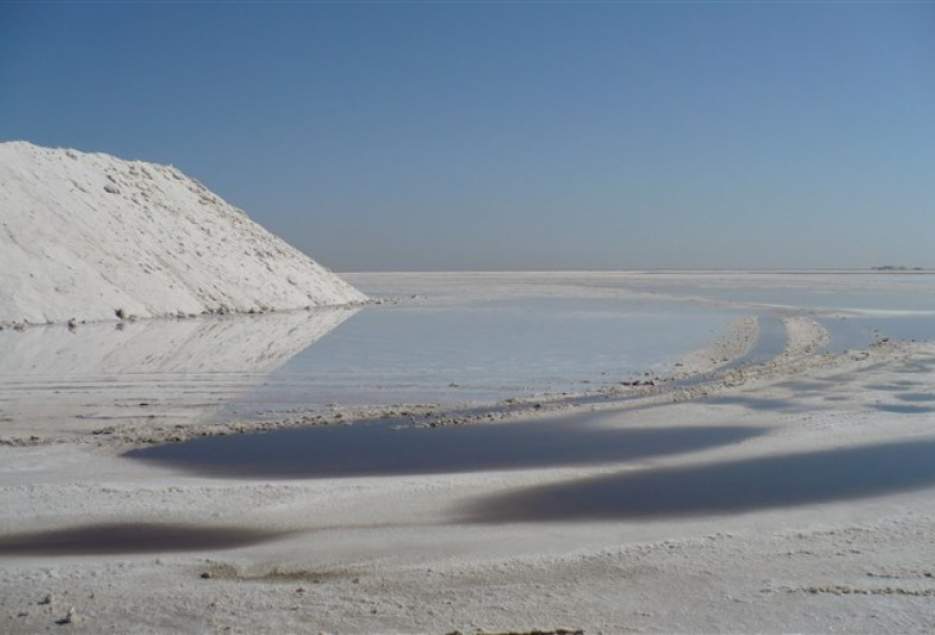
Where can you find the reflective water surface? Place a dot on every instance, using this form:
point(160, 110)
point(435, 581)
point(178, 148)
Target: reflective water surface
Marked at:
point(155, 370)
point(462, 339)
point(487, 350)
point(382, 449)
point(729, 487)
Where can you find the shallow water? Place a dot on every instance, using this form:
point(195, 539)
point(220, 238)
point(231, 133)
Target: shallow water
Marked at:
point(155, 370)
point(718, 488)
point(385, 449)
point(483, 351)
point(464, 340)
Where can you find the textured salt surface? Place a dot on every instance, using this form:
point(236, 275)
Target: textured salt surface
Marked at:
point(85, 236)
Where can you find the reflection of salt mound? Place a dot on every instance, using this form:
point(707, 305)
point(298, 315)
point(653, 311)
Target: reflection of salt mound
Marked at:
point(207, 345)
point(55, 382)
point(85, 235)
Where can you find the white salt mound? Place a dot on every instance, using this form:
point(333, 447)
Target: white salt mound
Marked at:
point(88, 236)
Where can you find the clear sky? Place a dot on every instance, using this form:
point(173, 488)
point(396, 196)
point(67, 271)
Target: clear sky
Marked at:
point(511, 136)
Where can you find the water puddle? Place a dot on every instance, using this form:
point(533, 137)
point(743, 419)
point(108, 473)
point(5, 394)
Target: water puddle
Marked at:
point(126, 538)
point(729, 487)
point(382, 449)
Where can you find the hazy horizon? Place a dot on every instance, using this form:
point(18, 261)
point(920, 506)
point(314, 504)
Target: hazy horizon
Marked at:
point(907, 269)
point(522, 137)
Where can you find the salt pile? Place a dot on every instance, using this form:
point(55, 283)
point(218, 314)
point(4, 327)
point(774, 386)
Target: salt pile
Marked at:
point(93, 237)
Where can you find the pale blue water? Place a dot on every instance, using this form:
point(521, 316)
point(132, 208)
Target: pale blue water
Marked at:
point(485, 351)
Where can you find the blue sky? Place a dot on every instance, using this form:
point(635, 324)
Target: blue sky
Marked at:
point(511, 136)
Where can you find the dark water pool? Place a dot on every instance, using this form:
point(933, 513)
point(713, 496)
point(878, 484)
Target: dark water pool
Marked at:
point(382, 449)
point(119, 538)
point(729, 487)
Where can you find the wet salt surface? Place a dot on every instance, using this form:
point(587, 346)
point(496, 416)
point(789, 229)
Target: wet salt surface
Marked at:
point(382, 449)
point(719, 488)
point(123, 538)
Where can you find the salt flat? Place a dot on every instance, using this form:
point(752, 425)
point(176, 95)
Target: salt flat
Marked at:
point(547, 544)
